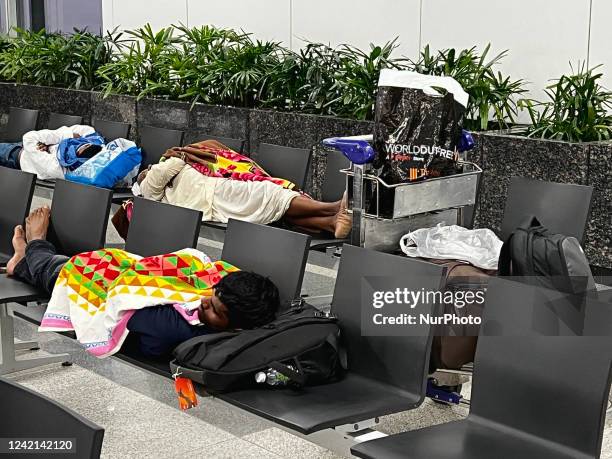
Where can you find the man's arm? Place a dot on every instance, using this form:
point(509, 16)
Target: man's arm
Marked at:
point(81, 130)
point(154, 184)
point(161, 329)
point(32, 139)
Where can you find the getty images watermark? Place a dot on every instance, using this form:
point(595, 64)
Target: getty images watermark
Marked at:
point(411, 299)
point(388, 309)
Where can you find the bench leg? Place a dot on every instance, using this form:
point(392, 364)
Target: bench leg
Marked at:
point(8, 347)
point(340, 439)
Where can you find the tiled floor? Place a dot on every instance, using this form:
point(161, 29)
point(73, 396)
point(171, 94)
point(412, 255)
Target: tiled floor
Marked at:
point(139, 410)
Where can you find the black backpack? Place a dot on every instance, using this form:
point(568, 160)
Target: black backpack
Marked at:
point(302, 344)
point(550, 260)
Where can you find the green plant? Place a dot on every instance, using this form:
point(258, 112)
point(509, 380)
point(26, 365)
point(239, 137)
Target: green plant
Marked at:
point(4, 43)
point(238, 77)
point(491, 94)
point(143, 65)
point(202, 46)
point(327, 81)
point(227, 67)
point(53, 59)
point(303, 81)
point(357, 78)
point(577, 109)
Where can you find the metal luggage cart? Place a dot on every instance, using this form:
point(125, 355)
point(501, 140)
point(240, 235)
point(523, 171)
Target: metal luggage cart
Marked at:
point(383, 213)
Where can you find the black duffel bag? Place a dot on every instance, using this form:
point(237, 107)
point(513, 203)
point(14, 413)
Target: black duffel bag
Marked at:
point(302, 344)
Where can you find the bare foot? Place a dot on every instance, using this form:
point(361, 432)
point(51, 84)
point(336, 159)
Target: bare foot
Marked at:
point(343, 220)
point(344, 223)
point(19, 245)
point(344, 202)
point(37, 224)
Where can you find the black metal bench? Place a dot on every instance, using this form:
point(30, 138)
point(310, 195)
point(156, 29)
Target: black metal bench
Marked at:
point(20, 121)
point(27, 414)
point(16, 189)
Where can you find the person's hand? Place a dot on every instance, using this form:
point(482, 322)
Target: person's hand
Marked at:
point(174, 154)
point(76, 136)
point(42, 147)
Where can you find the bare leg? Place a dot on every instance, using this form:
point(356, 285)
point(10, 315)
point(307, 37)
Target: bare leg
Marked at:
point(19, 245)
point(339, 223)
point(315, 224)
point(305, 207)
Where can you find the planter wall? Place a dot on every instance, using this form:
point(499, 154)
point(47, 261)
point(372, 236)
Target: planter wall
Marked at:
point(47, 100)
point(503, 156)
point(254, 126)
point(302, 131)
point(115, 108)
point(197, 122)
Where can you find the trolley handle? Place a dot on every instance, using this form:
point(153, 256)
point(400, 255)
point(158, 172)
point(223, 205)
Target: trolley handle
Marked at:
point(359, 151)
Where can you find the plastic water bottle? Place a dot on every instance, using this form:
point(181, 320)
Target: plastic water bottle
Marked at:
point(272, 377)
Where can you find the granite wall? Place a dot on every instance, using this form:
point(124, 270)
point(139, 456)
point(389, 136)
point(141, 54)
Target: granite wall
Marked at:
point(198, 121)
point(45, 99)
point(504, 156)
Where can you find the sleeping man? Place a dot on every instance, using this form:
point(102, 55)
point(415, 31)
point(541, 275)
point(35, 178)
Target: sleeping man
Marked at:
point(256, 199)
point(161, 301)
point(38, 153)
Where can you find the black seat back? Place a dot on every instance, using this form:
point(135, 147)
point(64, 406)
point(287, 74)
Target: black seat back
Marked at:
point(16, 191)
point(334, 181)
point(112, 130)
point(562, 208)
point(155, 141)
point(534, 373)
point(27, 414)
point(57, 120)
point(284, 162)
point(273, 252)
point(157, 228)
point(79, 217)
point(235, 144)
point(20, 121)
point(401, 361)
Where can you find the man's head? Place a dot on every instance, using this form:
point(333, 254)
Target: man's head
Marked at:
point(88, 150)
point(242, 300)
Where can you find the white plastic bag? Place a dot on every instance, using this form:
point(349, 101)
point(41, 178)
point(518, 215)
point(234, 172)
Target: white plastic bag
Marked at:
point(480, 247)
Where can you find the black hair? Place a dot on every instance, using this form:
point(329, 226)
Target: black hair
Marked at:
point(251, 299)
point(90, 150)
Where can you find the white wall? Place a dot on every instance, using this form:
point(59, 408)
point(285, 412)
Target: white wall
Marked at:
point(132, 14)
point(542, 36)
point(601, 39)
point(268, 19)
point(357, 22)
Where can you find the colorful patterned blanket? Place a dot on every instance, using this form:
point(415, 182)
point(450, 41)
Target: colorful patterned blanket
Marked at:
point(213, 159)
point(97, 292)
